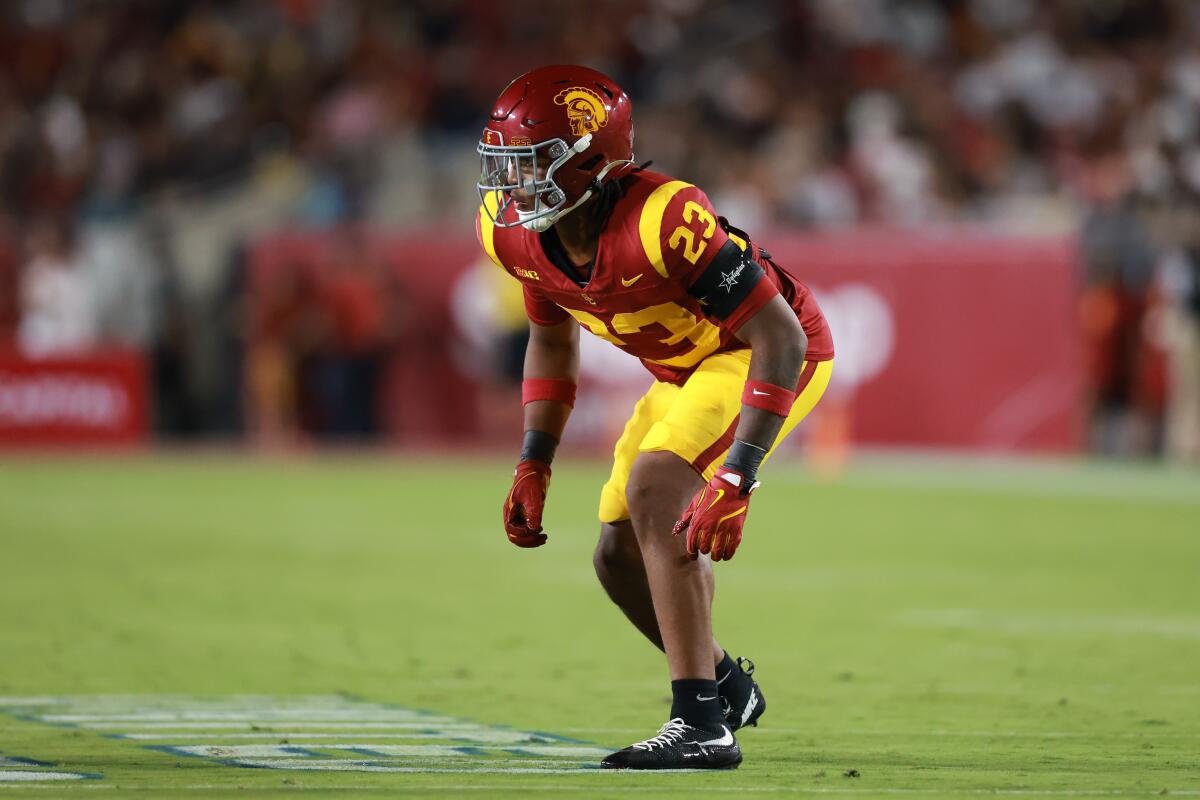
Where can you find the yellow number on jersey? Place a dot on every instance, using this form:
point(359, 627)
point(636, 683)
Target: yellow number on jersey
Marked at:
point(686, 236)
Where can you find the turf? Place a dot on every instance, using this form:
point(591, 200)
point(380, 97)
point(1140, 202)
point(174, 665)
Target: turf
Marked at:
point(934, 628)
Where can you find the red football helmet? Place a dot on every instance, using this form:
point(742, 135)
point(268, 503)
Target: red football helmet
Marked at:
point(556, 134)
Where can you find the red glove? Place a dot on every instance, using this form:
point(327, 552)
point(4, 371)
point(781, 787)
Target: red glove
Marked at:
point(714, 518)
point(524, 504)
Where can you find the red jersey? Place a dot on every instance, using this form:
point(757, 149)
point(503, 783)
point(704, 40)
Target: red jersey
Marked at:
point(671, 282)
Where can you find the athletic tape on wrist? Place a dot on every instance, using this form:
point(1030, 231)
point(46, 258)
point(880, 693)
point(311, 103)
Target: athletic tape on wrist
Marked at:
point(745, 458)
point(768, 397)
point(538, 446)
point(558, 389)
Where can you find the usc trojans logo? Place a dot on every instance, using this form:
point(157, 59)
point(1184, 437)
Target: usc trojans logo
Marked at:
point(585, 110)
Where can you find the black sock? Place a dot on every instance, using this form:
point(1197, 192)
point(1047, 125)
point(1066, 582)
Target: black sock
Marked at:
point(731, 681)
point(695, 701)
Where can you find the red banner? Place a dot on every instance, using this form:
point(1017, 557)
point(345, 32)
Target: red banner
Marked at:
point(958, 340)
point(93, 399)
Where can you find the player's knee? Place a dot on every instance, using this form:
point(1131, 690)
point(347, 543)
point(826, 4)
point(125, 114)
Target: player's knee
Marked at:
point(641, 494)
point(658, 488)
point(616, 550)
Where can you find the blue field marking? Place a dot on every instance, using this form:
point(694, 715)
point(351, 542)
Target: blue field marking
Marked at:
point(312, 732)
point(19, 769)
point(17, 761)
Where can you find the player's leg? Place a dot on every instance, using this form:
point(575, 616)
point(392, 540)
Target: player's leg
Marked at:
point(679, 451)
point(659, 489)
point(618, 563)
point(618, 558)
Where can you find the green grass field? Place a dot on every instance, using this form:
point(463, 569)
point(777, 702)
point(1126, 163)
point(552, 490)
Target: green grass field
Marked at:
point(933, 628)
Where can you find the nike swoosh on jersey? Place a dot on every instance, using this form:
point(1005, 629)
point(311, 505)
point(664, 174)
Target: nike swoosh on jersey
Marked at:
point(632, 280)
point(724, 741)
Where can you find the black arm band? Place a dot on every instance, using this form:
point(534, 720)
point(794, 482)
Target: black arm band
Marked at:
point(745, 458)
point(538, 446)
point(727, 280)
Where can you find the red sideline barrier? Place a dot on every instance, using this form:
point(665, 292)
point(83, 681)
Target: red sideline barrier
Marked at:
point(960, 340)
point(93, 399)
point(984, 349)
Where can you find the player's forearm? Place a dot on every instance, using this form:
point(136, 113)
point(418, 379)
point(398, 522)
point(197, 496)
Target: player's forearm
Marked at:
point(776, 362)
point(553, 361)
point(777, 349)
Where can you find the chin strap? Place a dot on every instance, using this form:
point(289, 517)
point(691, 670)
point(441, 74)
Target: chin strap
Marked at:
point(542, 224)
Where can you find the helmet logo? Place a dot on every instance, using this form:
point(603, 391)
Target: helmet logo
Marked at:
point(585, 110)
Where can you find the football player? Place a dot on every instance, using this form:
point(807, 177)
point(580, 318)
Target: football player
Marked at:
point(738, 348)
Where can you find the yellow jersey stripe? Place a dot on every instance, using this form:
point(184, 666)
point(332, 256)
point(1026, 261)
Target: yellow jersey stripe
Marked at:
point(487, 228)
point(650, 223)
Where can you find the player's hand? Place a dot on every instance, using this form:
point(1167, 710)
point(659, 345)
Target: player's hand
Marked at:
point(714, 519)
point(524, 504)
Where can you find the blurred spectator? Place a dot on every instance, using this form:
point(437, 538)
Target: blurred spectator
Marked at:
point(1118, 262)
point(57, 301)
point(359, 318)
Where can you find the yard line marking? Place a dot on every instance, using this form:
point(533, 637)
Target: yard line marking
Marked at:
point(1148, 734)
point(438, 722)
point(1035, 623)
point(21, 775)
point(942, 733)
point(411, 750)
point(472, 736)
point(342, 765)
point(562, 788)
point(335, 733)
point(255, 715)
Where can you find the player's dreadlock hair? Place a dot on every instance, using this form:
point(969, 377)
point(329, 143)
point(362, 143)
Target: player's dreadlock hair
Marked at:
point(607, 195)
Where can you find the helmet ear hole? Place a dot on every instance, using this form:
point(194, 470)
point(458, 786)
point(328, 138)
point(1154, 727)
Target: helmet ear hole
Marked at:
point(588, 165)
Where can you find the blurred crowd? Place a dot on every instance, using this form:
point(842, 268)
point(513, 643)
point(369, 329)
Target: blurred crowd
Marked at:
point(144, 144)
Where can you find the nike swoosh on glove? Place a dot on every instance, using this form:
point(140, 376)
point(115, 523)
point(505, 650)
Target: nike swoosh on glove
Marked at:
point(714, 518)
point(525, 502)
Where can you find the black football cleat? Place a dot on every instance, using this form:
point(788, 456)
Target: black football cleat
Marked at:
point(679, 746)
point(745, 708)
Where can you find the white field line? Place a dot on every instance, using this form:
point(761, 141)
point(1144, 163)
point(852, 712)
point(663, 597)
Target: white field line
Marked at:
point(464, 787)
point(440, 723)
point(24, 776)
point(260, 715)
point(351, 766)
point(562, 788)
point(979, 476)
point(1149, 734)
point(387, 751)
point(787, 789)
point(470, 735)
point(984, 620)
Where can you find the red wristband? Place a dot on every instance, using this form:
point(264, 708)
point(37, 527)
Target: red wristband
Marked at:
point(768, 397)
point(548, 389)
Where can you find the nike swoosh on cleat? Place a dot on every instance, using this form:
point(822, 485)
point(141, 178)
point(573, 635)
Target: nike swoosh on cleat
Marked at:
point(724, 741)
point(750, 706)
point(632, 280)
point(705, 699)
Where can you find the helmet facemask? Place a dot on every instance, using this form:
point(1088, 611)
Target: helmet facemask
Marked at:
point(505, 168)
